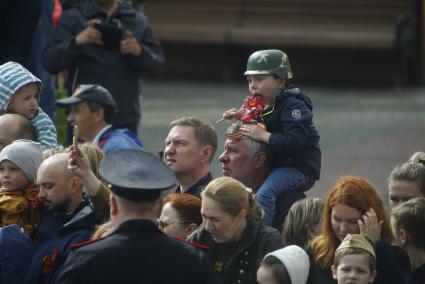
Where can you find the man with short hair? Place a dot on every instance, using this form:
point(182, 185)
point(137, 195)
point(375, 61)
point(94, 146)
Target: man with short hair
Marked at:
point(136, 250)
point(189, 149)
point(61, 194)
point(14, 127)
point(91, 108)
point(247, 161)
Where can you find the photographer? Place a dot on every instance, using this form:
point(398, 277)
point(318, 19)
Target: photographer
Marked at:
point(109, 43)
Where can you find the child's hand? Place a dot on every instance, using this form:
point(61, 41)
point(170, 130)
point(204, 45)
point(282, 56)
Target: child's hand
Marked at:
point(231, 115)
point(370, 226)
point(255, 132)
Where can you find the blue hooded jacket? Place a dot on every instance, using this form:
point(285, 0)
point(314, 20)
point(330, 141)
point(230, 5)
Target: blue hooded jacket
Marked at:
point(13, 76)
point(294, 139)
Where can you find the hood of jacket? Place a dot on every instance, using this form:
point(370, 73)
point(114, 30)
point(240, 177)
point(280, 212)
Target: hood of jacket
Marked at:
point(296, 262)
point(12, 77)
point(90, 11)
point(292, 91)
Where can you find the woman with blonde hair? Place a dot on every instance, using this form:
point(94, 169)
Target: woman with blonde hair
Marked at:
point(237, 239)
point(302, 224)
point(407, 180)
point(352, 206)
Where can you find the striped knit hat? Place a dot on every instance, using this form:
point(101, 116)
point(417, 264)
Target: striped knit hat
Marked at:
point(12, 77)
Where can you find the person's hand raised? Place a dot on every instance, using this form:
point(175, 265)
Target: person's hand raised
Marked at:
point(130, 45)
point(370, 225)
point(78, 163)
point(90, 35)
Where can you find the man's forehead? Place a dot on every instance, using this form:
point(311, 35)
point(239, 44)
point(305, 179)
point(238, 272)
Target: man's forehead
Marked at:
point(236, 143)
point(181, 132)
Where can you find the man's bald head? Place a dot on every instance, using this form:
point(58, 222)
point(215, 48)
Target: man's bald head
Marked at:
point(14, 127)
point(60, 190)
point(57, 164)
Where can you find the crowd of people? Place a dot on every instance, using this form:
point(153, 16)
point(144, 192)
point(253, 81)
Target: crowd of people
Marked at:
point(105, 210)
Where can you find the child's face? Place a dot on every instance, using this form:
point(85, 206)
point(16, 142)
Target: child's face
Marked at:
point(11, 177)
point(353, 269)
point(265, 275)
point(25, 101)
point(266, 85)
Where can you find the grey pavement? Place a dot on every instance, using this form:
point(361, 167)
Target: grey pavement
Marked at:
point(364, 131)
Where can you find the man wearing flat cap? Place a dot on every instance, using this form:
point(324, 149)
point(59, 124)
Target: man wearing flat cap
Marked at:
point(135, 251)
point(91, 108)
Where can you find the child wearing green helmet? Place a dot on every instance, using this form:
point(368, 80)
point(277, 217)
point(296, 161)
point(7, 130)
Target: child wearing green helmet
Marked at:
point(289, 130)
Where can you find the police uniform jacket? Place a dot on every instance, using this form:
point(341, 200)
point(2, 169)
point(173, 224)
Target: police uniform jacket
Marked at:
point(137, 252)
point(294, 139)
point(90, 64)
point(238, 262)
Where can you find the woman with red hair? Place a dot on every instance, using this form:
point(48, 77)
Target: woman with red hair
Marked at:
point(181, 215)
point(353, 206)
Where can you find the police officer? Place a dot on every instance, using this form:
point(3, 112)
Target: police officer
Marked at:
point(136, 251)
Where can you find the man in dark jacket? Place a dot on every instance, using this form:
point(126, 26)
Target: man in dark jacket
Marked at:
point(61, 194)
point(136, 250)
point(189, 149)
point(109, 43)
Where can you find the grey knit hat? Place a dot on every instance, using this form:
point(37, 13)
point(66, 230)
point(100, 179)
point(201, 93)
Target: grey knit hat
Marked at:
point(25, 154)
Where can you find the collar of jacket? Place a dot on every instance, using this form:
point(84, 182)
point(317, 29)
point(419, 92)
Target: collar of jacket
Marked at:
point(91, 11)
point(82, 217)
point(137, 225)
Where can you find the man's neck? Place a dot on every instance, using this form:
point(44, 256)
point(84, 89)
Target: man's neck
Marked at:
point(187, 180)
point(94, 133)
point(258, 179)
point(119, 219)
point(108, 7)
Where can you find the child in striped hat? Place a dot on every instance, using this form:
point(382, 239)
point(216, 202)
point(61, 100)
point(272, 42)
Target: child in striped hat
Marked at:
point(19, 93)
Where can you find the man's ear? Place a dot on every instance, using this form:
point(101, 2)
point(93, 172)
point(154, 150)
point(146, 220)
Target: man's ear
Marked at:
point(99, 114)
point(260, 159)
point(333, 270)
point(206, 154)
point(76, 185)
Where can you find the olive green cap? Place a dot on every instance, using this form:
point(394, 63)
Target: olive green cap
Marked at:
point(270, 61)
point(358, 241)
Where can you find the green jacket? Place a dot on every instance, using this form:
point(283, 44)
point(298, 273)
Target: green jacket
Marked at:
point(238, 262)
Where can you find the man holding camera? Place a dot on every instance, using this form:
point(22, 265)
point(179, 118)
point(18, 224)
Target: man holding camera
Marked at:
point(109, 43)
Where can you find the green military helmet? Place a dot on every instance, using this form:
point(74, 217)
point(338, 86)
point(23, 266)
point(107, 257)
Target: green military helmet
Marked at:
point(270, 61)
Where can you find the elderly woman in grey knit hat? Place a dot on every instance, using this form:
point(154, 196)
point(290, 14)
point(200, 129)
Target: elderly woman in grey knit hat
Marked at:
point(19, 162)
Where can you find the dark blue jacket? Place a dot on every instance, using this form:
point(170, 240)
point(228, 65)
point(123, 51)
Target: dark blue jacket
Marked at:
point(91, 64)
point(15, 254)
point(50, 254)
point(294, 139)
